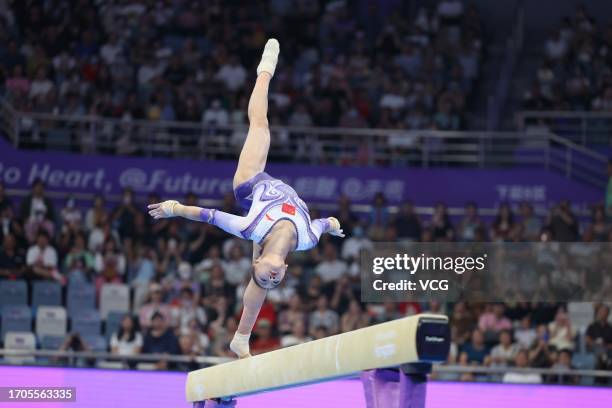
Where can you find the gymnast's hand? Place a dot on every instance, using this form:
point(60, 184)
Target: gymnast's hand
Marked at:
point(164, 209)
point(334, 228)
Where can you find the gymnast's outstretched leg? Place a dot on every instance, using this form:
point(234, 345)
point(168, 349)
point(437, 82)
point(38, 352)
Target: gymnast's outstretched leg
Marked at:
point(252, 161)
point(254, 153)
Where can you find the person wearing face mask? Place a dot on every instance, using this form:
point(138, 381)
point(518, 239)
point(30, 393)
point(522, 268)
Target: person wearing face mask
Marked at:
point(355, 243)
point(37, 205)
point(125, 213)
point(186, 309)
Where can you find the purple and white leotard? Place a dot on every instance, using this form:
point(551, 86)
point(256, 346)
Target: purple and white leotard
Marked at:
point(268, 201)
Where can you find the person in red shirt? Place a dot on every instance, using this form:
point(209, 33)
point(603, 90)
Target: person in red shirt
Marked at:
point(266, 340)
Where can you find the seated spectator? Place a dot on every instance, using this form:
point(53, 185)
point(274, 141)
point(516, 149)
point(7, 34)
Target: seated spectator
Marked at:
point(79, 257)
point(503, 223)
point(37, 212)
point(324, 316)
point(470, 223)
point(379, 218)
point(598, 228)
point(442, 228)
point(200, 338)
point(352, 245)
point(110, 257)
point(521, 361)
point(296, 336)
point(462, 323)
point(74, 342)
point(222, 333)
point(319, 333)
point(354, 318)
point(503, 354)
point(238, 266)
point(12, 259)
point(10, 226)
point(476, 349)
point(217, 285)
point(562, 223)
point(446, 117)
point(532, 225)
point(561, 331)
point(384, 313)
point(71, 215)
point(563, 364)
point(540, 354)
point(175, 283)
point(154, 305)
point(525, 334)
point(96, 214)
point(330, 268)
point(5, 201)
point(41, 259)
point(599, 333)
point(142, 265)
point(127, 340)
point(408, 223)
point(264, 339)
point(212, 258)
point(294, 312)
point(125, 213)
point(189, 347)
point(187, 309)
point(160, 340)
point(492, 321)
point(215, 115)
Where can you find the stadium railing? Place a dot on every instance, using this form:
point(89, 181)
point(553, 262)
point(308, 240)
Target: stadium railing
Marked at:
point(51, 357)
point(315, 145)
point(583, 128)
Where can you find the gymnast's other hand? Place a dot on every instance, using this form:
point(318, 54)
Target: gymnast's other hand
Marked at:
point(334, 228)
point(166, 209)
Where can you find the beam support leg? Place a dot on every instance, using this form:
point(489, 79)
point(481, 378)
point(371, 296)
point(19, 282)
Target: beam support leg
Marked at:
point(396, 388)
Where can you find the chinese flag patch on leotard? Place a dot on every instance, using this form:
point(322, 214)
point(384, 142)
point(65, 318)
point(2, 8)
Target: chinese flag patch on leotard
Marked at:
point(288, 209)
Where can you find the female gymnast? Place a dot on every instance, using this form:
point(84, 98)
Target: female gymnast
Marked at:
point(277, 222)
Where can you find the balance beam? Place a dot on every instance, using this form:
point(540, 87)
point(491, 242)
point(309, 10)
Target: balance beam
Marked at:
point(414, 339)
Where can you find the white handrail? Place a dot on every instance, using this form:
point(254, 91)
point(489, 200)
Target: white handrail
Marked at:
point(214, 360)
point(91, 134)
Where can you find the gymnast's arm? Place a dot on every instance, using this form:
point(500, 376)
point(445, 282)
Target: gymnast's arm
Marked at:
point(232, 224)
point(327, 225)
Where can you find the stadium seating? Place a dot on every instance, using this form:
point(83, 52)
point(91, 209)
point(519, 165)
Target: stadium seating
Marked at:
point(81, 297)
point(86, 322)
point(46, 294)
point(51, 342)
point(19, 340)
point(114, 298)
point(95, 342)
point(15, 319)
point(585, 361)
point(13, 292)
point(112, 323)
point(51, 321)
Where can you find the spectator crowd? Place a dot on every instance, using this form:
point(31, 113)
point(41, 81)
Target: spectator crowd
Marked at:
point(575, 71)
point(187, 280)
point(344, 63)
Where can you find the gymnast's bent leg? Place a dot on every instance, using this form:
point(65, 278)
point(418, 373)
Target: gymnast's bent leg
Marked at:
point(252, 161)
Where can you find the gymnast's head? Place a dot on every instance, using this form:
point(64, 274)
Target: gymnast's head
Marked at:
point(269, 270)
point(270, 267)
